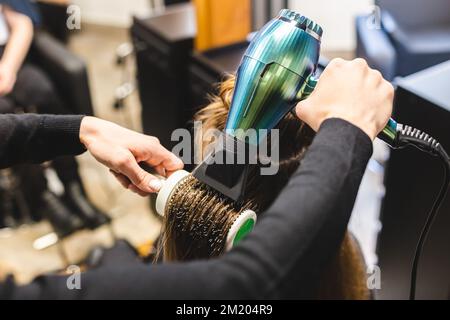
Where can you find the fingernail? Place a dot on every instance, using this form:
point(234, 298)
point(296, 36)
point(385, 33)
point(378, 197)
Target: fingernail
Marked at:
point(155, 185)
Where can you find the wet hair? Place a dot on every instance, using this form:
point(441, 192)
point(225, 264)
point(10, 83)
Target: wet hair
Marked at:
point(198, 218)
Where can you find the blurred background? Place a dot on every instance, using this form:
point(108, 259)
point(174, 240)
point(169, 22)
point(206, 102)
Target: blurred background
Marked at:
point(150, 64)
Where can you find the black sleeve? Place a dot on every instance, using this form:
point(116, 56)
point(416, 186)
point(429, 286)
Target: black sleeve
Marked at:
point(38, 138)
point(280, 259)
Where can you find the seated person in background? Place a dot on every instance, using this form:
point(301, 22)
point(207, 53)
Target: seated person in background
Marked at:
point(24, 87)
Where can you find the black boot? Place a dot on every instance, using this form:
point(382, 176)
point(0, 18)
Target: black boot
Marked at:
point(64, 221)
point(7, 213)
point(7, 202)
point(76, 199)
point(75, 196)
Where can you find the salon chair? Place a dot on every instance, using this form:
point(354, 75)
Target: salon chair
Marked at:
point(54, 17)
point(67, 71)
point(405, 36)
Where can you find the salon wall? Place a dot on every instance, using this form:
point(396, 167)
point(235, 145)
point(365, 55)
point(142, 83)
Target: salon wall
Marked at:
point(336, 17)
point(112, 12)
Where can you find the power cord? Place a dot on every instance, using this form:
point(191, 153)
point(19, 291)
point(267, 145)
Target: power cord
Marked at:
point(409, 136)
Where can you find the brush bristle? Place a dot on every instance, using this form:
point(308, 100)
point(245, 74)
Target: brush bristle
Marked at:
point(197, 221)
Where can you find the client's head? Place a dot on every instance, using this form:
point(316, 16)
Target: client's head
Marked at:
point(197, 218)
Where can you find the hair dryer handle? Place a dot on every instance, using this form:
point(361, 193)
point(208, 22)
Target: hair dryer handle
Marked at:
point(308, 88)
point(389, 133)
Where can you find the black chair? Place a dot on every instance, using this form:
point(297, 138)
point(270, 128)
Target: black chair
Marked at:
point(67, 71)
point(54, 17)
point(412, 35)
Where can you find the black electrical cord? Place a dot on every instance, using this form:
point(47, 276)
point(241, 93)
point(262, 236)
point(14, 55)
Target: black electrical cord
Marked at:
point(408, 136)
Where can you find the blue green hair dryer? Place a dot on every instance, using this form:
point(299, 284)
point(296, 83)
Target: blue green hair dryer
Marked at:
point(276, 72)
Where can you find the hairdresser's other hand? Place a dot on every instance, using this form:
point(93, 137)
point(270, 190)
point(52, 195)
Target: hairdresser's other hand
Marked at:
point(8, 78)
point(121, 150)
point(352, 91)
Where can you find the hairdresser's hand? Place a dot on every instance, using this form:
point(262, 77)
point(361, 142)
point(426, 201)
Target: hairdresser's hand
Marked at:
point(8, 78)
point(121, 150)
point(352, 91)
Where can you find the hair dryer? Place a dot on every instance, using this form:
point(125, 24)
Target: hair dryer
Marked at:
point(276, 72)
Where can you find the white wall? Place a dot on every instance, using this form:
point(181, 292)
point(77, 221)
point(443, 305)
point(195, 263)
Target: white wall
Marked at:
point(111, 12)
point(336, 17)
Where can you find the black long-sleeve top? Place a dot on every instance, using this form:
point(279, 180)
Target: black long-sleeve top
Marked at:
point(282, 258)
point(38, 138)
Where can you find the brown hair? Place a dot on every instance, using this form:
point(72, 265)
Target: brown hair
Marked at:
point(197, 221)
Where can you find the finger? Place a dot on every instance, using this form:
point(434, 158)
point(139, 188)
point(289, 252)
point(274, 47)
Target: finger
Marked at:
point(172, 162)
point(124, 181)
point(302, 110)
point(390, 90)
point(160, 156)
point(160, 170)
point(337, 62)
point(139, 177)
point(138, 191)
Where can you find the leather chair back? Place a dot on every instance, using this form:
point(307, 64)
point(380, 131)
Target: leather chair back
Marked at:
point(417, 14)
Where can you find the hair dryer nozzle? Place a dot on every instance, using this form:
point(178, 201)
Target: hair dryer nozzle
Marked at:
point(224, 169)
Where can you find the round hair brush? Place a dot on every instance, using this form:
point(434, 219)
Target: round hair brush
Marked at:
point(204, 219)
